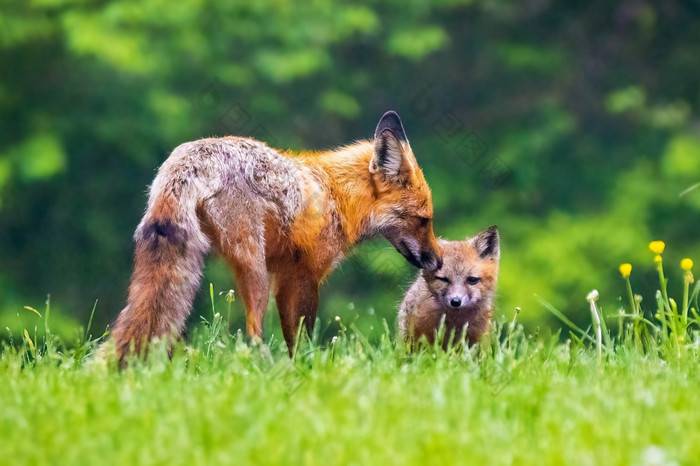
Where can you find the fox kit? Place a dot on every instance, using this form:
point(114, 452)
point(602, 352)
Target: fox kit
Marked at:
point(460, 293)
point(281, 220)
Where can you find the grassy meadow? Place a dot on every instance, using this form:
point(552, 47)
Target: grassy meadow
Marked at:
point(623, 391)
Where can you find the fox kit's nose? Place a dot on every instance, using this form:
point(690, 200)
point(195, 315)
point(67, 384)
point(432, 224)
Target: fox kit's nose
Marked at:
point(455, 302)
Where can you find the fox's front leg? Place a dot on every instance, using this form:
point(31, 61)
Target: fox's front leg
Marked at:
point(296, 294)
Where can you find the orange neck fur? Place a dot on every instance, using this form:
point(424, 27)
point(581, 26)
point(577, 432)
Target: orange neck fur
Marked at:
point(350, 183)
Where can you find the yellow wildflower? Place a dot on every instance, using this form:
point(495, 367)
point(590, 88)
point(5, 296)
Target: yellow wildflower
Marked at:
point(657, 258)
point(657, 247)
point(625, 270)
point(687, 264)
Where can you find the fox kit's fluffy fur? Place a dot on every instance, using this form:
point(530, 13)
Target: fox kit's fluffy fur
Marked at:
point(280, 219)
point(459, 294)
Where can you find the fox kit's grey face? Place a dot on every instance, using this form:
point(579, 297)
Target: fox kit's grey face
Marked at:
point(469, 270)
point(403, 212)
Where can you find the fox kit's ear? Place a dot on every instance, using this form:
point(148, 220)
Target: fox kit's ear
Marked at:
point(392, 153)
point(488, 243)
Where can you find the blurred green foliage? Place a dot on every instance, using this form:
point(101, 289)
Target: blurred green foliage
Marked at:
point(573, 126)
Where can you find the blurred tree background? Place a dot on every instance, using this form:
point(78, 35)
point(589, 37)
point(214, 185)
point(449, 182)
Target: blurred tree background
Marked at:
point(572, 126)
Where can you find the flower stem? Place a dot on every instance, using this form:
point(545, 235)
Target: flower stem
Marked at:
point(635, 309)
point(686, 285)
point(664, 290)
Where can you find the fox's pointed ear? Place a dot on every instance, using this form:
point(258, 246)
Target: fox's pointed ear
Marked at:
point(488, 243)
point(392, 155)
point(391, 121)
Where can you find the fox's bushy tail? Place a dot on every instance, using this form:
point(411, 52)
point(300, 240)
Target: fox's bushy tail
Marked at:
point(168, 260)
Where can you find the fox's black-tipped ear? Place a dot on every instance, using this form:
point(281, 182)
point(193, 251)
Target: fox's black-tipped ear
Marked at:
point(391, 121)
point(488, 243)
point(390, 146)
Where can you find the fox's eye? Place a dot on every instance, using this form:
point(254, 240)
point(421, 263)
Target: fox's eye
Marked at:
point(473, 280)
point(442, 279)
point(423, 221)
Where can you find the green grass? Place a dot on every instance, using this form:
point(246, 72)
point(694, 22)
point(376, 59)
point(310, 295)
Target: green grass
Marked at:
point(600, 397)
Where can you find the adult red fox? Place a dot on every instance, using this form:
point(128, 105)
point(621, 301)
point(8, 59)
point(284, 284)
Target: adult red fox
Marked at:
point(280, 219)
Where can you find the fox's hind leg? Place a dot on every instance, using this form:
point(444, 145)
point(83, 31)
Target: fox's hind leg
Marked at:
point(240, 238)
point(254, 286)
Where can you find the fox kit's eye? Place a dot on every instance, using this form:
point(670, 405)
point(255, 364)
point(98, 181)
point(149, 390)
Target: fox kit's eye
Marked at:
point(473, 280)
point(442, 279)
point(423, 221)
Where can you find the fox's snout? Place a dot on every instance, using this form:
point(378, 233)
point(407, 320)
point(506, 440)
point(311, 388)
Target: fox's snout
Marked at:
point(422, 257)
point(459, 300)
point(456, 294)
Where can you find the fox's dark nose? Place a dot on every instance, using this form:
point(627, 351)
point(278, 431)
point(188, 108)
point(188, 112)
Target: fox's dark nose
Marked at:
point(430, 260)
point(455, 302)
